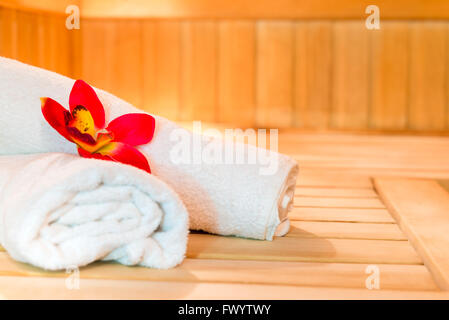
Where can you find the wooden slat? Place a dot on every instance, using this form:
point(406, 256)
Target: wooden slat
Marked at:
point(236, 72)
point(421, 209)
point(8, 33)
point(161, 67)
point(336, 192)
point(389, 69)
point(350, 103)
point(389, 172)
point(204, 246)
point(314, 202)
point(345, 230)
point(428, 69)
point(412, 160)
point(199, 71)
point(53, 6)
point(128, 61)
point(341, 214)
point(306, 249)
point(287, 9)
point(248, 272)
point(274, 74)
point(97, 53)
point(48, 44)
point(313, 55)
point(55, 288)
point(27, 40)
point(321, 178)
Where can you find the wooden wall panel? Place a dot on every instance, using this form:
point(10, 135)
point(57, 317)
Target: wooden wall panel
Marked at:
point(199, 71)
point(97, 53)
point(350, 75)
point(56, 44)
point(161, 68)
point(312, 74)
point(127, 62)
point(318, 74)
point(275, 56)
point(389, 69)
point(428, 68)
point(27, 26)
point(236, 73)
point(261, 9)
point(8, 32)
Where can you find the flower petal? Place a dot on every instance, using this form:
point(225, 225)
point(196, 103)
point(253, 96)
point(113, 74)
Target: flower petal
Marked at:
point(56, 116)
point(133, 128)
point(125, 154)
point(84, 95)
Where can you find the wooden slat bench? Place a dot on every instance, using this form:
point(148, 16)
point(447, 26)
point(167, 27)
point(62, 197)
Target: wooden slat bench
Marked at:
point(352, 214)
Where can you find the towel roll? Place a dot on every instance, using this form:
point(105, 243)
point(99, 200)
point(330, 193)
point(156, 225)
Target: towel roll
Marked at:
point(249, 199)
point(61, 211)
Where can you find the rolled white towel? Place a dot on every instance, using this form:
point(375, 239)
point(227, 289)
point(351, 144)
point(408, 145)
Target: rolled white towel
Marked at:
point(248, 200)
point(58, 211)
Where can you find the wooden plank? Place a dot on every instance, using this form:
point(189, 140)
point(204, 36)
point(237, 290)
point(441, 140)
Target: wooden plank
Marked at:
point(236, 72)
point(312, 83)
point(248, 272)
point(412, 160)
point(341, 215)
point(204, 246)
point(55, 7)
point(127, 62)
point(428, 65)
point(98, 42)
point(421, 209)
point(76, 52)
point(389, 70)
point(361, 138)
point(58, 48)
point(320, 178)
point(8, 32)
point(27, 40)
point(199, 71)
point(314, 202)
point(162, 67)
point(55, 288)
point(286, 9)
point(390, 172)
point(336, 192)
point(350, 97)
point(345, 230)
point(274, 74)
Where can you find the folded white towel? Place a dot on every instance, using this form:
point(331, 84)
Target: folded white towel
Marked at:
point(227, 199)
point(58, 211)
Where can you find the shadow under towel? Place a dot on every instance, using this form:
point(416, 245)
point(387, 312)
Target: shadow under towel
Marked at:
point(59, 211)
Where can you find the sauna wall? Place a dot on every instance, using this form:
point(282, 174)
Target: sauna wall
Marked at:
point(315, 69)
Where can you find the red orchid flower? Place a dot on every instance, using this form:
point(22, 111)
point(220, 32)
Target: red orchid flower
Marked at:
point(84, 125)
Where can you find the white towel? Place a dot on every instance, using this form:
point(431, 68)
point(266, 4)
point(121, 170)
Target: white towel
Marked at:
point(226, 199)
point(61, 211)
